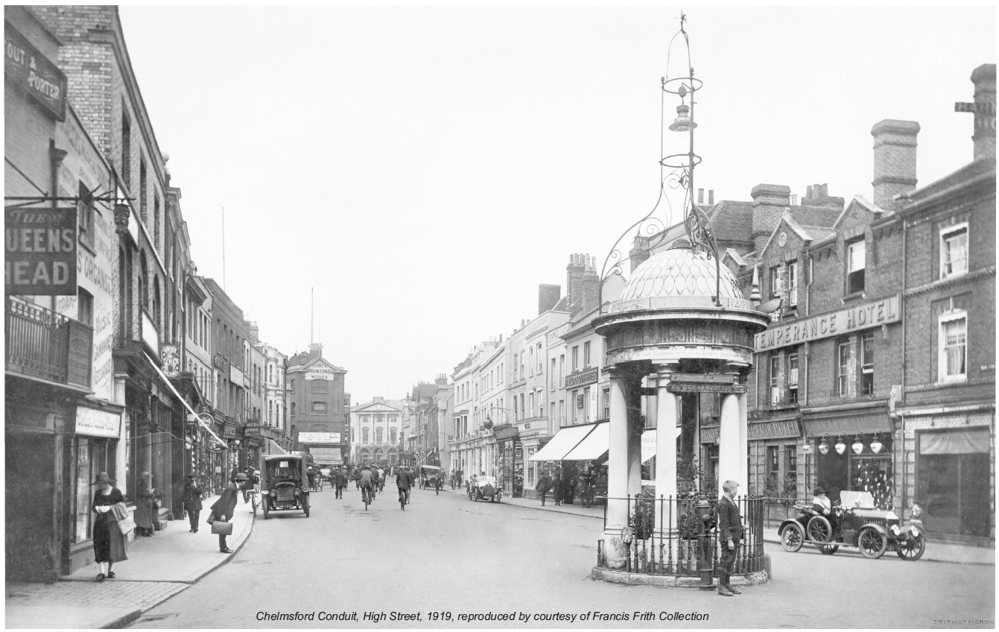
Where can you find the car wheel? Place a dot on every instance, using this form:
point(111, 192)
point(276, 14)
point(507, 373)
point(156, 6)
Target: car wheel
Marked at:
point(476, 496)
point(267, 512)
point(911, 549)
point(872, 543)
point(829, 549)
point(792, 537)
point(819, 530)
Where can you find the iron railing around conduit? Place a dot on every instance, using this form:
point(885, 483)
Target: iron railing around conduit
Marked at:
point(677, 549)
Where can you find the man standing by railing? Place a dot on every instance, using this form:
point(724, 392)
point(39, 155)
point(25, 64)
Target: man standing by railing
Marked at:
point(729, 535)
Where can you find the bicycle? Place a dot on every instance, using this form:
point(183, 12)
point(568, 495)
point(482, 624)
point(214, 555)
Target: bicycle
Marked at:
point(403, 498)
point(254, 497)
point(320, 483)
point(365, 495)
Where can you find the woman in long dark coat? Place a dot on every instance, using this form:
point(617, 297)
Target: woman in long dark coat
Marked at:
point(105, 529)
point(144, 506)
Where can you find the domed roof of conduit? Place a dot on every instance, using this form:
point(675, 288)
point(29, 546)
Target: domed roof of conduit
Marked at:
point(680, 272)
point(679, 278)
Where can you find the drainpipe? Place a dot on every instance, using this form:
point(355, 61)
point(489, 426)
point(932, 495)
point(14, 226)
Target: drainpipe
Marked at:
point(901, 395)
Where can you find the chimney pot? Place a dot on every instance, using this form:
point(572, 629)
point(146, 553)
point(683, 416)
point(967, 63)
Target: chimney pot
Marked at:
point(894, 160)
point(711, 197)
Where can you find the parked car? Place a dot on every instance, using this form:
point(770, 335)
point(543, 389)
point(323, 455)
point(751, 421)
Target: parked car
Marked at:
point(284, 484)
point(861, 526)
point(482, 487)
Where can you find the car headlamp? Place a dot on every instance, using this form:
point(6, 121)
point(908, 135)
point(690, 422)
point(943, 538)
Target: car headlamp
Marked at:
point(895, 530)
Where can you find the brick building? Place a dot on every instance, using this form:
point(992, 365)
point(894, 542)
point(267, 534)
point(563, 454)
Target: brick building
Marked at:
point(946, 414)
point(317, 405)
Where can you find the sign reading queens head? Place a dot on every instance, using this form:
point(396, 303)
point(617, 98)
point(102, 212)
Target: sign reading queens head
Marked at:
point(845, 321)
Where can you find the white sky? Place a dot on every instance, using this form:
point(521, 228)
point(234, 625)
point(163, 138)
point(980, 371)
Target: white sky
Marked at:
point(425, 169)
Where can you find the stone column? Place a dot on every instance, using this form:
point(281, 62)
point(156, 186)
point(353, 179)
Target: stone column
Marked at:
point(635, 427)
point(616, 551)
point(729, 450)
point(666, 418)
point(743, 444)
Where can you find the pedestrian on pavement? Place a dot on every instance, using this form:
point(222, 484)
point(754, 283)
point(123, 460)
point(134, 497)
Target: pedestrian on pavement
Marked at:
point(146, 507)
point(557, 488)
point(542, 488)
point(110, 544)
point(222, 510)
point(192, 501)
point(729, 535)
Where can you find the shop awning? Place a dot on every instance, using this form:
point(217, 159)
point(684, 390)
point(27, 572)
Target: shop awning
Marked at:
point(274, 448)
point(563, 442)
point(593, 446)
point(173, 390)
point(649, 442)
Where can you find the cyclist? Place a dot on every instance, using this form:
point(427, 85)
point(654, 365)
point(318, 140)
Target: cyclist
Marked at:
point(404, 481)
point(381, 479)
point(366, 482)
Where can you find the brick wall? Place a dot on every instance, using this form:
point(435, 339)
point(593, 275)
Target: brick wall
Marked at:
point(894, 160)
point(769, 203)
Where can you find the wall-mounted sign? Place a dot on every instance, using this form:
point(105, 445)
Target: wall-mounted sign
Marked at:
point(219, 362)
point(97, 423)
point(847, 320)
point(708, 387)
point(40, 251)
point(781, 429)
point(319, 437)
point(34, 73)
point(582, 378)
point(320, 373)
point(252, 430)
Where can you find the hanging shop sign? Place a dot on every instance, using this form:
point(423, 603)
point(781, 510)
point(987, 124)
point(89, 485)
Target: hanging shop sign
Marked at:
point(40, 251)
point(708, 387)
point(170, 355)
point(319, 437)
point(34, 73)
point(845, 321)
point(582, 378)
point(97, 423)
point(251, 430)
point(229, 431)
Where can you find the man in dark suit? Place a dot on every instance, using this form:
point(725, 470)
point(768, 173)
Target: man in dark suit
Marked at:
point(729, 535)
point(223, 510)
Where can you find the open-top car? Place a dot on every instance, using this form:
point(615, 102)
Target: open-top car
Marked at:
point(860, 525)
point(284, 483)
point(483, 487)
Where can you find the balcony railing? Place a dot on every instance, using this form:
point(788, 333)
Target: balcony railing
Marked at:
point(47, 345)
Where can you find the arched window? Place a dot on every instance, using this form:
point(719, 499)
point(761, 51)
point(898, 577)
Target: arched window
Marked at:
point(293, 409)
point(156, 305)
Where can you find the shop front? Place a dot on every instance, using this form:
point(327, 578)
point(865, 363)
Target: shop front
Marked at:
point(511, 460)
point(854, 451)
point(774, 446)
point(93, 449)
point(953, 474)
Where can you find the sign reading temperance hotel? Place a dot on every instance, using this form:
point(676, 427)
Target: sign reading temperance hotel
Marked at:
point(843, 322)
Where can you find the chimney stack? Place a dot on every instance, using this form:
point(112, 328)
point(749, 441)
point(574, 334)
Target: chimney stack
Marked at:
point(700, 196)
point(769, 202)
point(591, 285)
point(984, 78)
point(711, 197)
point(894, 160)
point(574, 278)
point(639, 251)
point(548, 297)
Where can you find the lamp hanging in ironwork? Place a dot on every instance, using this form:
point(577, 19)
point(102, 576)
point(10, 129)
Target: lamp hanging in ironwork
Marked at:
point(823, 447)
point(858, 446)
point(840, 446)
point(876, 445)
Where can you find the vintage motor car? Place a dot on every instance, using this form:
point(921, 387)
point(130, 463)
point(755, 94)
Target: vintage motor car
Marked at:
point(427, 474)
point(284, 483)
point(483, 487)
point(862, 526)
